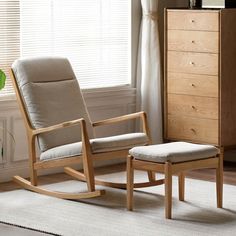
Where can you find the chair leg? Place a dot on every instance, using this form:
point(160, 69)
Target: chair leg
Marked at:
point(32, 160)
point(33, 176)
point(219, 180)
point(181, 186)
point(151, 176)
point(168, 190)
point(130, 183)
point(89, 172)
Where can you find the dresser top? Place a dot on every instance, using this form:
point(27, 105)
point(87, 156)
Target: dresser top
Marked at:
point(205, 10)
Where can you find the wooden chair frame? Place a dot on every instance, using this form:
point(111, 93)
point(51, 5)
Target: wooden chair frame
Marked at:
point(169, 169)
point(86, 158)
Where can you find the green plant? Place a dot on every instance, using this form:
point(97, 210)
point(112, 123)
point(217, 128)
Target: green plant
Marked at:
point(2, 79)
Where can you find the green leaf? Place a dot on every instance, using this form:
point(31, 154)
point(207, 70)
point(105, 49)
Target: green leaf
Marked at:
point(2, 79)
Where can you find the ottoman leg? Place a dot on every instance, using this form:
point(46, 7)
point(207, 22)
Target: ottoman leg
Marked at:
point(219, 181)
point(181, 186)
point(168, 190)
point(130, 183)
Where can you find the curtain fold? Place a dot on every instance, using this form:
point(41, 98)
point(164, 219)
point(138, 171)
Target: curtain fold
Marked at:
point(149, 69)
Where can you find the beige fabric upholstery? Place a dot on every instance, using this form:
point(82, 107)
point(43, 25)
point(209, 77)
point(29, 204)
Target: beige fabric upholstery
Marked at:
point(51, 95)
point(174, 152)
point(98, 145)
point(118, 142)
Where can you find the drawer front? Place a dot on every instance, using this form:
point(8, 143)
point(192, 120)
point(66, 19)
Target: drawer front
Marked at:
point(193, 41)
point(198, 107)
point(199, 85)
point(193, 20)
point(191, 62)
point(192, 129)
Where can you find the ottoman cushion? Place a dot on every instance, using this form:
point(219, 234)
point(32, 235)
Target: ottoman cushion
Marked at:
point(174, 152)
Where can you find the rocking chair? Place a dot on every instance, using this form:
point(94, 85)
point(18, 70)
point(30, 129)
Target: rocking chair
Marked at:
point(56, 116)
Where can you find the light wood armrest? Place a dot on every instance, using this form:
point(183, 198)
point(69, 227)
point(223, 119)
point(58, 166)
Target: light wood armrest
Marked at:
point(85, 139)
point(58, 126)
point(118, 119)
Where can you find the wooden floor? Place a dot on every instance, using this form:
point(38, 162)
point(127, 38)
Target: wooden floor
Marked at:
point(205, 174)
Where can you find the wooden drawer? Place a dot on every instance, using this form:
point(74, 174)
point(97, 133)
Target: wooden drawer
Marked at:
point(199, 107)
point(193, 20)
point(192, 129)
point(200, 85)
point(192, 62)
point(193, 41)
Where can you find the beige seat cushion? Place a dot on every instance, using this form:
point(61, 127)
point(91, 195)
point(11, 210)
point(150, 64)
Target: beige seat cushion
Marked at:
point(174, 152)
point(98, 145)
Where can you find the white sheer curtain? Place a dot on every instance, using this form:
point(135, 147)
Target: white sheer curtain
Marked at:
point(149, 69)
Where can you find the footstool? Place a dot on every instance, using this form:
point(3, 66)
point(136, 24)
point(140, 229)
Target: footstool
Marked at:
point(171, 159)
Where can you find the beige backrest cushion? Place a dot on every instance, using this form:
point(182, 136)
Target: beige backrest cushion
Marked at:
point(52, 95)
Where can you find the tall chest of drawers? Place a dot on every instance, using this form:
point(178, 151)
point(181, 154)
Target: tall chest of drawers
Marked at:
point(200, 76)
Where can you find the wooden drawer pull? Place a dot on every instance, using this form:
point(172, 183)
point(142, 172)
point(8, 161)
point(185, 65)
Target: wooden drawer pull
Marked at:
point(192, 21)
point(194, 108)
point(192, 41)
point(191, 63)
point(193, 85)
point(193, 130)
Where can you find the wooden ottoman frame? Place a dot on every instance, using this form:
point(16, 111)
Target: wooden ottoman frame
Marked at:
point(169, 169)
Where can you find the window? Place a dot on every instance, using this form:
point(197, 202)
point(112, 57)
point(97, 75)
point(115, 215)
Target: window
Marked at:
point(93, 34)
point(9, 39)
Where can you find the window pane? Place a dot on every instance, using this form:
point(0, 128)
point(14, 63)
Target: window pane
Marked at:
point(9, 39)
point(93, 34)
